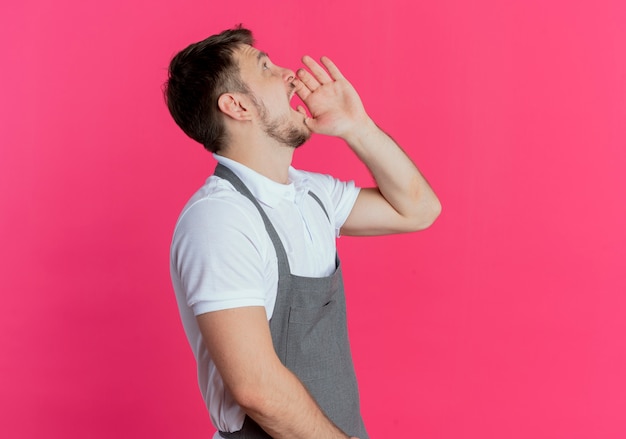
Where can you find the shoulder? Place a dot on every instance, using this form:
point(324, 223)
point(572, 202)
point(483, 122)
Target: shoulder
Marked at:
point(338, 196)
point(218, 215)
point(216, 202)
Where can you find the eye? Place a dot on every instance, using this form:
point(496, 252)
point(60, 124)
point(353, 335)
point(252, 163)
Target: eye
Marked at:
point(265, 66)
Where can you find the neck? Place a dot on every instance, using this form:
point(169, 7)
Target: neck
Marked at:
point(269, 159)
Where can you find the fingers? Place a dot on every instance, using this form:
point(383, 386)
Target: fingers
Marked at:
point(318, 76)
point(332, 68)
point(308, 80)
point(302, 90)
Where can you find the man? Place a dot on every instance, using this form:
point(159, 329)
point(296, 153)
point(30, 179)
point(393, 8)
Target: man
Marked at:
point(253, 258)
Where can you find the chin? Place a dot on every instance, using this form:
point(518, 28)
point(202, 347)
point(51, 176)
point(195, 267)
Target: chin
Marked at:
point(300, 139)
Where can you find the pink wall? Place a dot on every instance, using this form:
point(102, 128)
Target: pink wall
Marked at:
point(506, 319)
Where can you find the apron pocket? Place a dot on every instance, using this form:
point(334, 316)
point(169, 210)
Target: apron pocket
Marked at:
point(313, 341)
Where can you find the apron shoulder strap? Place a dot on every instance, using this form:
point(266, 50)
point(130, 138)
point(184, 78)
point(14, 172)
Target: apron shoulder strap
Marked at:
point(228, 175)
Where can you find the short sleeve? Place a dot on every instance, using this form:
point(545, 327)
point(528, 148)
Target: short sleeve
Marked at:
point(340, 194)
point(219, 257)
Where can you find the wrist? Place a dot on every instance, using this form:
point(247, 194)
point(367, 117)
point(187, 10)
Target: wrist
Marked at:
point(361, 132)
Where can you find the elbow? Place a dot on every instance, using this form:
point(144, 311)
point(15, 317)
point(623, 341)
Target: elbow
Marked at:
point(256, 396)
point(429, 212)
point(435, 210)
point(253, 401)
point(250, 400)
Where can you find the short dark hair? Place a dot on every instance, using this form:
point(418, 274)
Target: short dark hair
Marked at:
point(197, 76)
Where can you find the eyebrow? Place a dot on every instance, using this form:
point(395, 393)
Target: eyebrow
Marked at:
point(261, 55)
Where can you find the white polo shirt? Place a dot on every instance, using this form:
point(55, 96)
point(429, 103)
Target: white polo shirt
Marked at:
point(222, 257)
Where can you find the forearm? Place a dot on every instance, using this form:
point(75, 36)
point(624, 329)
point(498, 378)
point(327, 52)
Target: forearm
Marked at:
point(240, 343)
point(403, 200)
point(398, 179)
point(284, 409)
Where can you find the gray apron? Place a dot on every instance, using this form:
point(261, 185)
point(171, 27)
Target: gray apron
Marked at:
point(309, 333)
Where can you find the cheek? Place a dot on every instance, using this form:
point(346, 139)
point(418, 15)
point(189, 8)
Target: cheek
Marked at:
point(274, 98)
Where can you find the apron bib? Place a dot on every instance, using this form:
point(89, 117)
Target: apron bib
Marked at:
point(310, 336)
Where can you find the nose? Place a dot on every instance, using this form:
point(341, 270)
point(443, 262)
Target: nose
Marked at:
point(288, 75)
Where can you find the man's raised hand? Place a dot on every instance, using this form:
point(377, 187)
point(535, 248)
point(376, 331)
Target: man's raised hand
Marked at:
point(335, 106)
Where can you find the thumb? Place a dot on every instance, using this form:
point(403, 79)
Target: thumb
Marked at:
point(308, 121)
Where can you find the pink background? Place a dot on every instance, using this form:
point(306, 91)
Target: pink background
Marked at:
point(506, 319)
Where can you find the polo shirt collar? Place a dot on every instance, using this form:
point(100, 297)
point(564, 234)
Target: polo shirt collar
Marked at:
point(265, 190)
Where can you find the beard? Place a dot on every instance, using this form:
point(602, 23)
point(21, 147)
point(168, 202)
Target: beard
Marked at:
point(282, 129)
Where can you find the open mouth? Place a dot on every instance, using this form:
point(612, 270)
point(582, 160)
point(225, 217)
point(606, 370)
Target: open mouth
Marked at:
point(291, 92)
point(293, 104)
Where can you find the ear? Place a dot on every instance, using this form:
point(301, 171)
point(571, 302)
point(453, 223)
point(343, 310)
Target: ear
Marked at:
point(232, 105)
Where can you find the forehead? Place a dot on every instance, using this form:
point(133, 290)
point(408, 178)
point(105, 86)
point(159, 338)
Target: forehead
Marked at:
point(248, 55)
